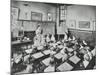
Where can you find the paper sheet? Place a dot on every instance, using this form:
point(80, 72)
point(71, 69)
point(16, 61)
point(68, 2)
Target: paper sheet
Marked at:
point(65, 67)
point(38, 55)
point(74, 59)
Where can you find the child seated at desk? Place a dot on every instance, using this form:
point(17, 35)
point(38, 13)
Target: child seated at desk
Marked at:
point(64, 53)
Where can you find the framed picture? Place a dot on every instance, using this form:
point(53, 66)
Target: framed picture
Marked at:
point(36, 16)
point(14, 13)
point(84, 24)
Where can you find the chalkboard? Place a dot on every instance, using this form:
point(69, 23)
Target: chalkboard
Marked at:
point(29, 26)
point(48, 27)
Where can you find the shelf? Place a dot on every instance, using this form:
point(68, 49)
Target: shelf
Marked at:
point(37, 21)
point(20, 42)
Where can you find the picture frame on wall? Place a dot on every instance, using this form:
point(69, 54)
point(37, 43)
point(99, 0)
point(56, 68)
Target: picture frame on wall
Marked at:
point(36, 16)
point(24, 15)
point(15, 13)
point(84, 24)
point(14, 22)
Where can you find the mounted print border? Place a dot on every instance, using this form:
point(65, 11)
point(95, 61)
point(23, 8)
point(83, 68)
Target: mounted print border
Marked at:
point(52, 37)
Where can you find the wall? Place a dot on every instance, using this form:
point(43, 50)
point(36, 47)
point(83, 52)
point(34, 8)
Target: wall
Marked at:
point(74, 12)
point(32, 7)
point(78, 13)
point(81, 13)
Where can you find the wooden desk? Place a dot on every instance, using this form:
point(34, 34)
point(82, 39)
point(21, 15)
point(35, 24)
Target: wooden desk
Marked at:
point(50, 69)
point(74, 59)
point(46, 61)
point(37, 55)
point(26, 71)
point(58, 56)
point(19, 46)
point(65, 67)
point(29, 51)
point(46, 52)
